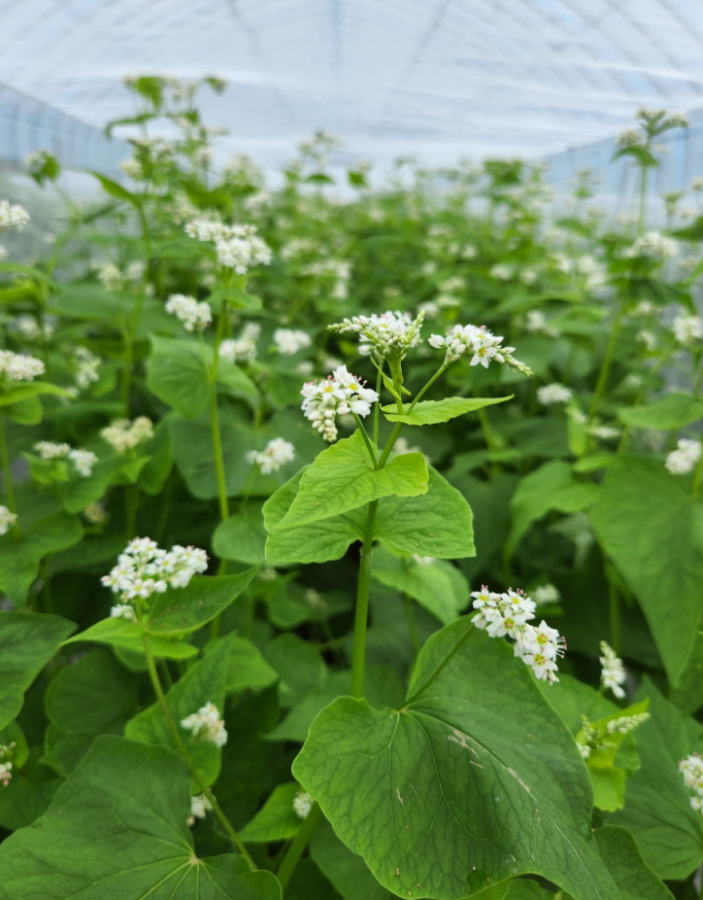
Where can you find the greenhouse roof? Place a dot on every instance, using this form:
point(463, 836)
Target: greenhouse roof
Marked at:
point(436, 78)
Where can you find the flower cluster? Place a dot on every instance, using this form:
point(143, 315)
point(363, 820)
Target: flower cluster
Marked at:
point(613, 674)
point(194, 315)
point(483, 344)
point(7, 519)
point(595, 736)
point(339, 394)
point(682, 460)
point(692, 770)
point(6, 750)
point(19, 367)
point(546, 593)
point(337, 269)
point(302, 804)
point(199, 808)
point(274, 455)
point(83, 460)
point(95, 513)
point(536, 322)
point(509, 614)
point(33, 330)
point(238, 247)
point(243, 348)
point(553, 393)
point(123, 435)
point(687, 329)
point(207, 725)
point(390, 335)
point(144, 569)
point(12, 215)
point(87, 365)
point(289, 341)
point(653, 244)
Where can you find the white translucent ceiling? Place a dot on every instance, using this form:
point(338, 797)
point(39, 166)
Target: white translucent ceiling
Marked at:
point(435, 78)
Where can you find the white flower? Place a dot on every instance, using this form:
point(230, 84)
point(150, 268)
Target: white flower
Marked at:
point(630, 137)
point(338, 270)
point(12, 215)
point(339, 394)
point(276, 454)
point(483, 344)
point(194, 315)
point(110, 276)
point(83, 460)
point(553, 393)
point(132, 169)
point(653, 244)
point(243, 348)
point(509, 614)
point(289, 341)
point(199, 808)
point(688, 329)
point(144, 569)
point(5, 773)
point(625, 724)
point(238, 247)
point(546, 593)
point(123, 611)
point(692, 770)
point(50, 450)
point(19, 367)
point(390, 335)
point(604, 432)
point(302, 804)
point(207, 725)
point(502, 272)
point(95, 513)
point(682, 460)
point(647, 338)
point(613, 674)
point(123, 435)
point(31, 329)
point(7, 519)
point(87, 365)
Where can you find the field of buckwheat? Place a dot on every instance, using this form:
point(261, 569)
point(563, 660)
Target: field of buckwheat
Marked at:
point(350, 548)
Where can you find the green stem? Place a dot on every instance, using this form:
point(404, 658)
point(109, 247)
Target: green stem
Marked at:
point(412, 624)
point(298, 845)
point(131, 506)
point(427, 386)
point(377, 406)
point(398, 427)
point(173, 728)
point(614, 607)
point(367, 440)
point(607, 361)
point(215, 420)
point(362, 604)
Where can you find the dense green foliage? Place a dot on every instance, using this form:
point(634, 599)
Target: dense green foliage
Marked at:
point(317, 710)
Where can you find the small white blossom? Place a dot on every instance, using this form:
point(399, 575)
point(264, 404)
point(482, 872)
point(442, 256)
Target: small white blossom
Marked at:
point(613, 673)
point(630, 137)
point(12, 215)
point(502, 272)
point(19, 367)
point(691, 769)
point(144, 569)
point(110, 276)
point(537, 322)
point(339, 394)
point(688, 329)
point(604, 432)
point(243, 348)
point(653, 244)
point(682, 460)
point(289, 341)
point(51, 450)
point(546, 593)
point(95, 513)
point(194, 315)
point(123, 611)
point(207, 725)
point(481, 343)
point(553, 393)
point(33, 330)
point(83, 461)
point(302, 804)
point(626, 724)
point(199, 808)
point(238, 247)
point(647, 338)
point(7, 519)
point(274, 455)
point(123, 435)
point(132, 169)
point(508, 615)
point(390, 335)
point(87, 365)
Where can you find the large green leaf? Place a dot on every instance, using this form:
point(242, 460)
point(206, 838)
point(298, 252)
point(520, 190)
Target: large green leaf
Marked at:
point(20, 559)
point(126, 635)
point(437, 585)
point(27, 642)
point(117, 830)
point(246, 668)
point(204, 682)
point(672, 411)
point(549, 487)
point(242, 537)
point(93, 696)
point(343, 478)
point(433, 412)
point(277, 819)
point(634, 878)
point(437, 524)
point(178, 375)
point(652, 529)
point(346, 870)
point(475, 778)
point(180, 610)
point(299, 665)
point(668, 832)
